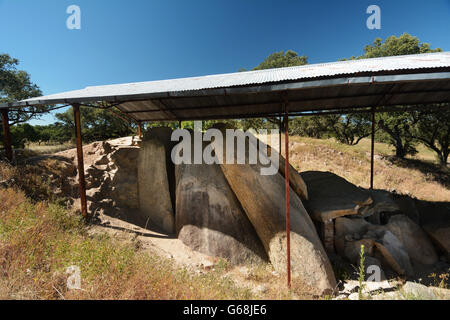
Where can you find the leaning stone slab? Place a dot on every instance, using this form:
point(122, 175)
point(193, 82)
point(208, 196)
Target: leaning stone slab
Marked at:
point(295, 179)
point(394, 253)
point(210, 219)
point(262, 197)
point(440, 235)
point(413, 239)
point(331, 196)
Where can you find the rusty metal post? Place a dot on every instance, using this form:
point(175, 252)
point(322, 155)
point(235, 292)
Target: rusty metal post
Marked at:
point(81, 179)
point(280, 123)
point(7, 136)
point(286, 180)
point(372, 148)
point(140, 130)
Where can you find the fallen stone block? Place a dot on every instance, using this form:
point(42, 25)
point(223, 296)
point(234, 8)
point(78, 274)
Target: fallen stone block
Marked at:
point(413, 239)
point(346, 226)
point(440, 235)
point(394, 254)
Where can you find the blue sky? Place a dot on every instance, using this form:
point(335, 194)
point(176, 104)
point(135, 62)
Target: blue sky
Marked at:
point(126, 41)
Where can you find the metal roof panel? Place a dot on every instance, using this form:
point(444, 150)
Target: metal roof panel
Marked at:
point(408, 62)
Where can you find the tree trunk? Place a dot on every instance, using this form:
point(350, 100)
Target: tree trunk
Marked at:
point(400, 151)
point(443, 157)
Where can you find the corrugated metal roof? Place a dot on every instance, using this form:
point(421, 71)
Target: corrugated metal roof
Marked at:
point(423, 78)
point(423, 61)
point(409, 62)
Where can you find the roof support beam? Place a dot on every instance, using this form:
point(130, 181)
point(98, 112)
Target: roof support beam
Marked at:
point(314, 112)
point(7, 136)
point(341, 102)
point(140, 130)
point(164, 109)
point(81, 178)
point(372, 148)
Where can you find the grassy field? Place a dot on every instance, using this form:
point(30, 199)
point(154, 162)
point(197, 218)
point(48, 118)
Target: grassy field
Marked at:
point(36, 149)
point(38, 242)
point(418, 176)
point(41, 149)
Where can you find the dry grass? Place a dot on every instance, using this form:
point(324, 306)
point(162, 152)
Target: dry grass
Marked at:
point(39, 241)
point(43, 180)
point(420, 178)
point(41, 149)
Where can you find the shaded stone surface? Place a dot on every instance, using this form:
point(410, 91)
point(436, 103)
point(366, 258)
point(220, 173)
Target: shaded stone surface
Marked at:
point(394, 253)
point(124, 181)
point(378, 242)
point(155, 202)
point(440, 235)
point(295, 179)
point(413, 239)
point(331, 196)
point(210, 219)
point(407, 206)
point(352, 249)
point(383, 202)
point(348, 227)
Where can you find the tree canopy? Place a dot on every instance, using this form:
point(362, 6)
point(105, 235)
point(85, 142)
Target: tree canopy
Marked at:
point(97, 124)
point(399, 126)
point(282, 59)
point(17, 85)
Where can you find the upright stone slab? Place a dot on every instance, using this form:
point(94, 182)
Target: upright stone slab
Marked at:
point(262, 197)
point(209, 218)
point(155, 202)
